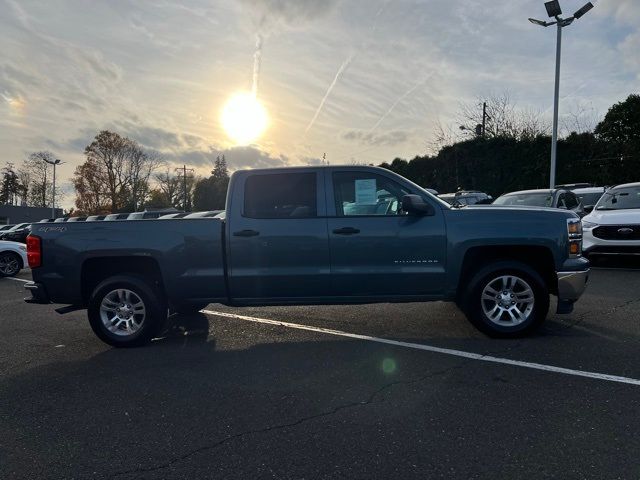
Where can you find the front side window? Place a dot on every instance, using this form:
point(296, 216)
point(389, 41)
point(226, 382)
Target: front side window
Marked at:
point(361, 193)
point(280, 195)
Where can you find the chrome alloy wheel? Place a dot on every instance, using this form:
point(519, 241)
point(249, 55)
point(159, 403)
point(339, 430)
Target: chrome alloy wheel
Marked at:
point(9, 264)
point(122, 312)
point(507, 300)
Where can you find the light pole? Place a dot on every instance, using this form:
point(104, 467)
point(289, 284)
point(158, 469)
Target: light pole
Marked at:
point(554, 10)
point(53, 193)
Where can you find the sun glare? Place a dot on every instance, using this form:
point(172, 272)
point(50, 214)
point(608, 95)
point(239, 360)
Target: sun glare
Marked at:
point(244, 118)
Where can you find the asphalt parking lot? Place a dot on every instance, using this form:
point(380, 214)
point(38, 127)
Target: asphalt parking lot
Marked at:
point(232, 393)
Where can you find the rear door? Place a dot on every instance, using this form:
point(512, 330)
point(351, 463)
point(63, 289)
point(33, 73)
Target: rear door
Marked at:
point(376, 248)
point(278, 243)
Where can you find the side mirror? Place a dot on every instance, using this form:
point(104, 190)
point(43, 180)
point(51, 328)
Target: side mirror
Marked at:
point(415, 205)
point(589, 208)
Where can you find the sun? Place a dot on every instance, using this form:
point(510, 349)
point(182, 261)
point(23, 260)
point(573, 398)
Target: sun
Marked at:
point(244, 118)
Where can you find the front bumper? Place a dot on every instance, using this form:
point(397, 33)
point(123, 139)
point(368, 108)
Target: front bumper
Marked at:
point(571, 285)
point(38, 293)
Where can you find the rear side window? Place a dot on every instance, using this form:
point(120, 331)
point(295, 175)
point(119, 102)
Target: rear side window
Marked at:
point(280, 195)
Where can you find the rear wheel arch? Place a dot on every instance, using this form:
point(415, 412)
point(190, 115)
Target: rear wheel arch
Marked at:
point(96, 270)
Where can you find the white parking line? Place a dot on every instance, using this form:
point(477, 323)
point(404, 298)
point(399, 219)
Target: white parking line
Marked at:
point(17, 279)
point(429, 348)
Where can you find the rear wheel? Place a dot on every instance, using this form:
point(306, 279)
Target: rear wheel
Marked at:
point(507, 299)
point(10, 264)
point(126, 311)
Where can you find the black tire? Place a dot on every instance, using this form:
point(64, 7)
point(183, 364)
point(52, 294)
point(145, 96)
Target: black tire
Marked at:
point(10, 264)
point(188, 309)
point(151, 324)
point(472, 302)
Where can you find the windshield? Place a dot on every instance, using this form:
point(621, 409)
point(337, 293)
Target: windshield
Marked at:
point(620, 199)
point(544, 199)
point(589, 198)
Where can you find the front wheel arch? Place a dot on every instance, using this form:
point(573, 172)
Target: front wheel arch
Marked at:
point(470, 299)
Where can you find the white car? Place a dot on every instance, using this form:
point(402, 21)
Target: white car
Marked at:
point(13, 258)
point(613, 228)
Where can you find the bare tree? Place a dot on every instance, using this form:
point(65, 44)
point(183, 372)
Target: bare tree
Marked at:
point(503, 118)
point(170, 186)
point(36, 169)
point(581, 118)
point(139, 167)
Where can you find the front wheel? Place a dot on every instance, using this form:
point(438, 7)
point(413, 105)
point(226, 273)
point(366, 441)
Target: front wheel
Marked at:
point(125, 311)
point(10, 264)
point(507, 300)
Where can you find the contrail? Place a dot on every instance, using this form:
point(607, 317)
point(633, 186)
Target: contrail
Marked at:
point(342, 68)
point(257, 61)
point(395, 104)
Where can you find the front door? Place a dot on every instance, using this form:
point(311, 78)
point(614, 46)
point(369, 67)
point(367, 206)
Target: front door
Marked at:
point(278, 245)
point(376, 248)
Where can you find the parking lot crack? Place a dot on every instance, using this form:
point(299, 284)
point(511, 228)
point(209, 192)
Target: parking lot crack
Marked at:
point(369, 400)
point(610, 311)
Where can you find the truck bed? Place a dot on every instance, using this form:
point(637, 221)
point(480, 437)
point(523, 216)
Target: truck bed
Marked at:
point(185, 254)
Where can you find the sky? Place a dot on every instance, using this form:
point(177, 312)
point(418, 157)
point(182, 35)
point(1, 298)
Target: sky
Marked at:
point(361, 81)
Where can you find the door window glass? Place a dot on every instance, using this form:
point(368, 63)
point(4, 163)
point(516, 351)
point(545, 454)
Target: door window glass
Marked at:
point(572, 201)
point(361, 193)
point(280, 195)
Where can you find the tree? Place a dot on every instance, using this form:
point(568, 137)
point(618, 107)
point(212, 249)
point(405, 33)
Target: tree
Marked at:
point(158, 199)
point(621, 124)
point(220, 168)
point(503, 118)
point(171, 188)
point(122, 170)
point(211, 193)
point(10, 188)
point(91, 196)
point(35, 170)
point(109, 151)
point(140, 166)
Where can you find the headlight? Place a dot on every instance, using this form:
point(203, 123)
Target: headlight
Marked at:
point(23, 248)
point(589, 225)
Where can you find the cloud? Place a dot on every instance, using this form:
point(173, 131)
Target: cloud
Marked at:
point(390, 138)
point(238, 158)
point(269, 14)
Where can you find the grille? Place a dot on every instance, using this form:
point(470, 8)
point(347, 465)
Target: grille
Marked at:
point(613, 232)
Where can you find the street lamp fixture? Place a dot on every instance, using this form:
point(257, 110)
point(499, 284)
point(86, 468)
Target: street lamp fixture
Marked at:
point(55, 162)
point(554, 10)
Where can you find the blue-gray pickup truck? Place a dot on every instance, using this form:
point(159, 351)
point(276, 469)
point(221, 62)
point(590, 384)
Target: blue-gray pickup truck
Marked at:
point(313, 235)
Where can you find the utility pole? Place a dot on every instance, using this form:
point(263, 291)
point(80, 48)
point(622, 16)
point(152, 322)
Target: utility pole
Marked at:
point(484, 118)
point(184, 171)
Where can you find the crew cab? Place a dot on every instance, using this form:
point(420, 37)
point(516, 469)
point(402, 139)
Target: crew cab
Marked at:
point(314, 235)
